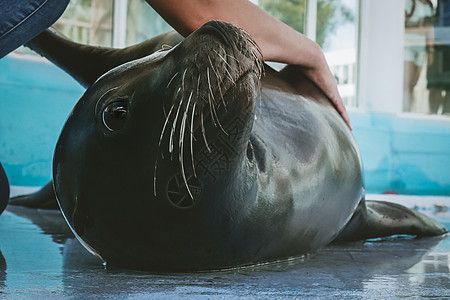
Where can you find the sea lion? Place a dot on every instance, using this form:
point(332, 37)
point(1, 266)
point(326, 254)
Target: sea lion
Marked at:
point(184, 160)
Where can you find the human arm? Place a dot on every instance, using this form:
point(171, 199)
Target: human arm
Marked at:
point(277, 41)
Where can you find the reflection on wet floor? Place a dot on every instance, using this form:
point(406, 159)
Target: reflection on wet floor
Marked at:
point(2, 271)
point(41, 258)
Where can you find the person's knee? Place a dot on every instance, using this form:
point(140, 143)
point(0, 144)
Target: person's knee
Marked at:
point(23, 20)
point(4, 189)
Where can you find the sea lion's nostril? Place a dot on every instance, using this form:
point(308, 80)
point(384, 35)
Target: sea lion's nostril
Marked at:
point(214, 28)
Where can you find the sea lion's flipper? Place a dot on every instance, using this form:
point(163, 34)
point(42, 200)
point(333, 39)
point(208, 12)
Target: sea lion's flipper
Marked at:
point(373, 219)
point(44, 198)
point(87, 63)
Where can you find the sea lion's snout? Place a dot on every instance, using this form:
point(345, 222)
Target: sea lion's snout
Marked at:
point(209, 103)
point(226, 50)
point(215, 28)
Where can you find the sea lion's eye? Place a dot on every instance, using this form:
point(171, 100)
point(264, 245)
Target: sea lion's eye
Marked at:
point(115, 115)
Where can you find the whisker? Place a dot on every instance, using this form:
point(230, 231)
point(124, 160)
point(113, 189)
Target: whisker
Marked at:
point(209, 85)
point(178, 92)
point(173, 77)
point(214, 114)
point(232, 57)
point(229, 76)
point(198, 84)
point(183, 122)
point(159, 147)
point(174, 124)
point(164, 128)
point(211, 110)
point(192, 137)
point(181, 145)
point(225, 61)
point(175, 97)
point(226, 70)
point(259, 87)
point(219, 83)
point(211, 105)
point(203, 131)
point(190, 128)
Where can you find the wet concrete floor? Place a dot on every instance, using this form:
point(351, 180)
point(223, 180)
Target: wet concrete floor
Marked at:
point(42, 260)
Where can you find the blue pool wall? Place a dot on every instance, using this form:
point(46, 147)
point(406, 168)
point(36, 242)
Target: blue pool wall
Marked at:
point(402, 153)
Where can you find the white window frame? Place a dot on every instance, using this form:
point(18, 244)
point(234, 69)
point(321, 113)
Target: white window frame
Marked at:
point(311, 19)
point(381, 55)
point(119, 28)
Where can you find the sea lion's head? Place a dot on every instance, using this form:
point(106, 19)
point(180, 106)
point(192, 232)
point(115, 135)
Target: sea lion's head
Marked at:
point(150, 145)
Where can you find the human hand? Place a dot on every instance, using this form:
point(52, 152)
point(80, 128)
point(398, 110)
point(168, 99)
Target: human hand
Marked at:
point(322, 77)
point(340, 107)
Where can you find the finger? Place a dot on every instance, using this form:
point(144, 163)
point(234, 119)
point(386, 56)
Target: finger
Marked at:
point(340, 107)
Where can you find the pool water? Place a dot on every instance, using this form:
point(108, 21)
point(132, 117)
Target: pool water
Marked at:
point(41, 259)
